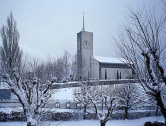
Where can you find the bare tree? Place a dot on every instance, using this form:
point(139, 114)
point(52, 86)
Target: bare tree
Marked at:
point(31, 92)
point(44, 70)
point(58, 68)
point(84, 95)
point(164, 2)
point(11, 54)
point(131, 96)
point(104, 103)
point(142, 44)
point(66, 64)
point(74, 67)
point(101, 101)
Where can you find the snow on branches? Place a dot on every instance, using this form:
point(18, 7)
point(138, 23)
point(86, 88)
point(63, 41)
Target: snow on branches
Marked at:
point(142, 43)
point(30, 93)
point(99, 98)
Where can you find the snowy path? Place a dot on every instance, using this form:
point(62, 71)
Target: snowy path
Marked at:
point(135, 122)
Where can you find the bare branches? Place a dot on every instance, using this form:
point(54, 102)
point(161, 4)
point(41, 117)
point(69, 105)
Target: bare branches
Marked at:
point(141, 45)
point(101, 100)
point(30, 86)
point(131, 96)
point(11, 54)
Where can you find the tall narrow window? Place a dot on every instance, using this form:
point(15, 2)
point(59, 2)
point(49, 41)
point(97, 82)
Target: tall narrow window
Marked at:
point(105, 74)
point(117, 76)
point(120, 76)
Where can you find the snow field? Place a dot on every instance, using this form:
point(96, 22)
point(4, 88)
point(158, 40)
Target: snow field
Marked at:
point(63, 94)
point(135, 122)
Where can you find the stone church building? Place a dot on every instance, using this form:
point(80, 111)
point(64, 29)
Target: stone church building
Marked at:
point(93, 67)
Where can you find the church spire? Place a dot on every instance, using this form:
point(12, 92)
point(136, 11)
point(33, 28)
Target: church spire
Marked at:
point(83, 28)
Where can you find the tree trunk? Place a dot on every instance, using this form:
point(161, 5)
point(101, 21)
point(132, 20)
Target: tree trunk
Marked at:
point(95, 110)
point(33, 120)
point(102, 123)
point(156, 113)
point(161, 104)
point(32, 123)
point(84, 111)
point(126, 113)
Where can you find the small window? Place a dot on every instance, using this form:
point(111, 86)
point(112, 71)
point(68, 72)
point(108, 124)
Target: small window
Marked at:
point(68, 105)
point(57, 104)
point(78, 105)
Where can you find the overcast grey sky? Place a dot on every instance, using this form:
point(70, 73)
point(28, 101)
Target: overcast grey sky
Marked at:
point(48, 27)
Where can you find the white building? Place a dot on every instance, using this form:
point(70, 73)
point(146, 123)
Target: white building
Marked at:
point(89, 66)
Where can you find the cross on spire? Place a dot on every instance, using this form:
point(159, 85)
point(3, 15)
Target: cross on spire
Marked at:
point(83, 28)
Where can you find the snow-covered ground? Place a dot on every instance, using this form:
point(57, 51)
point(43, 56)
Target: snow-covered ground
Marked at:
point(63, 94)
point(135, 122)
point(66, 93)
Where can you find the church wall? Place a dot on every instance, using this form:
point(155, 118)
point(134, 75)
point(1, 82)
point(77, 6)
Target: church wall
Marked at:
point(103, 73)
point(94, 69)
point(79, 55)
point(87, 49)
point(84, 53)
point(87, 52)
point(115, 73)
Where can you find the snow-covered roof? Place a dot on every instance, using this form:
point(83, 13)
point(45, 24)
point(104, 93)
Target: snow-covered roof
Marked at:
point(110, 60)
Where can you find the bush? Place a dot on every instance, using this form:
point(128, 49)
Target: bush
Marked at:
point(154, 124)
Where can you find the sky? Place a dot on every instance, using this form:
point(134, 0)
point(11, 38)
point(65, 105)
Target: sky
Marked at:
point(49, 27)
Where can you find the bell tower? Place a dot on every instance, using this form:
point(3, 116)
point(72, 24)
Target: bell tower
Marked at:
point(84, 53)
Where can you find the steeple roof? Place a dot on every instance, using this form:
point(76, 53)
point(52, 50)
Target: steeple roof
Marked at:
point(83, 28)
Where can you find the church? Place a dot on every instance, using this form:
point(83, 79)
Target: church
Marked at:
point(95, 67)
